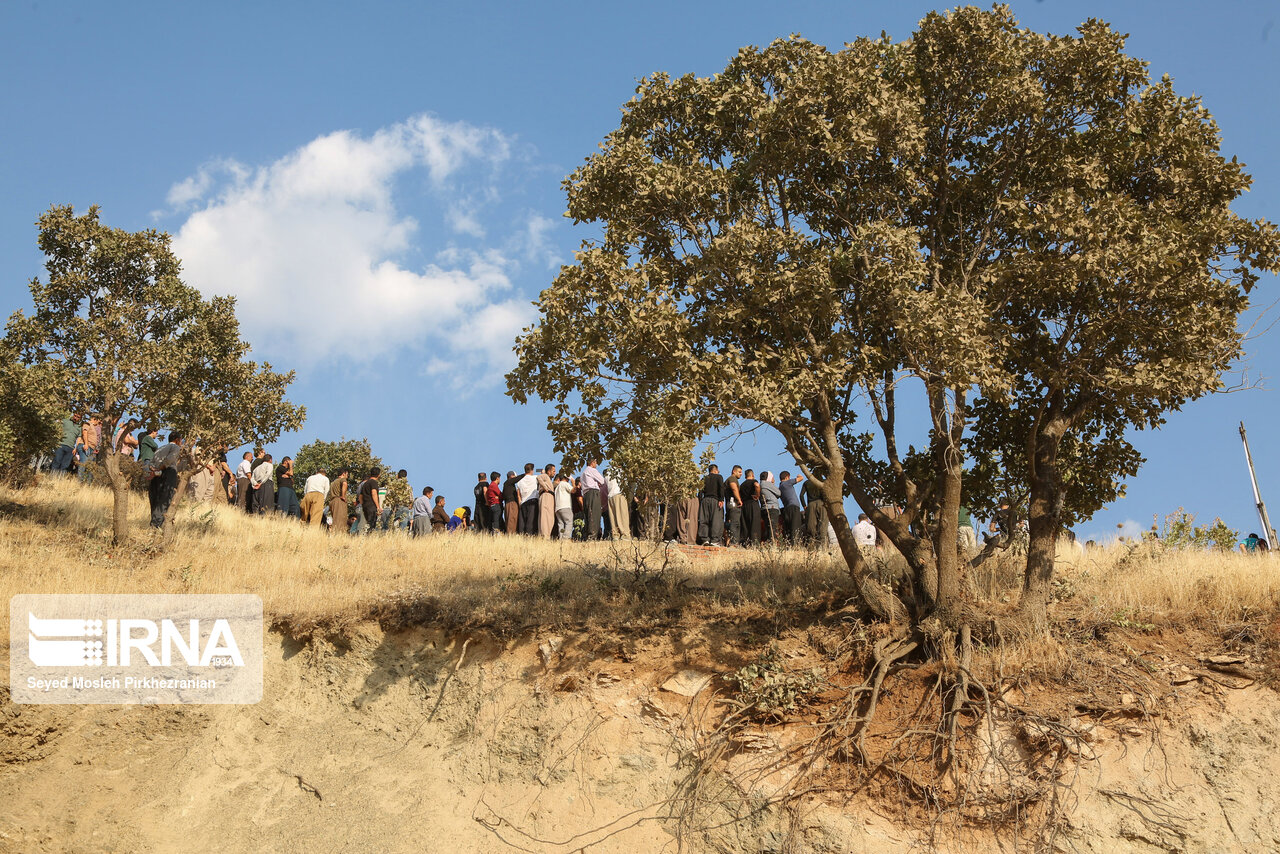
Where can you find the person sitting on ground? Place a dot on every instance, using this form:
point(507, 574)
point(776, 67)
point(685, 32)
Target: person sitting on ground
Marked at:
point(1253, 544)
point(439, 516)
point(458, 521)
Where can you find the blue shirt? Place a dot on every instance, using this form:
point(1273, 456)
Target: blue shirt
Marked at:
point(788, 490)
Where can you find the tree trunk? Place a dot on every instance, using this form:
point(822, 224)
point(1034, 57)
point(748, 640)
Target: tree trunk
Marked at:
point(119, 497)
point(1044, 515)
point(879, 600)
point(946, 539)
point(171, 514)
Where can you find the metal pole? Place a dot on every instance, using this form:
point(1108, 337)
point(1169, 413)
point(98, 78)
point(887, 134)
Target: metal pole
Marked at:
point(1267, 531)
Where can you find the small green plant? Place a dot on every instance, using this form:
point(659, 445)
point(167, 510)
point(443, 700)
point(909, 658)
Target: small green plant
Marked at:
point(186, 576)
point(1063, 589)
point(1181, 532)
point(1127, 619)
point(767, 689)
point(201, 522)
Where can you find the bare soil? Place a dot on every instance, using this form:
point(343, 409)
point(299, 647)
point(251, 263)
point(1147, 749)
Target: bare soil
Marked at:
point(415, 740)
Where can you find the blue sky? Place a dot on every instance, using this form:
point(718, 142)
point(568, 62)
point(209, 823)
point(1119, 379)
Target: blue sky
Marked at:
point(380, 186)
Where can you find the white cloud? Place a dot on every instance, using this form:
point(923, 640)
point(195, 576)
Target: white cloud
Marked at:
point(534, 240)
point(462, 219)
point(312, 245)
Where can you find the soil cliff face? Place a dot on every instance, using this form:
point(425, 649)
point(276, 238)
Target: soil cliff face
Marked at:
point(414, 741)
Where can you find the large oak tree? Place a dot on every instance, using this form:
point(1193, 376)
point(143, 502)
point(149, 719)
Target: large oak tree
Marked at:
point(1021, 231)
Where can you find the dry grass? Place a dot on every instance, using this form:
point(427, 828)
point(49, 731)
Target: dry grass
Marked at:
point(1144, 583)
point(55, 538)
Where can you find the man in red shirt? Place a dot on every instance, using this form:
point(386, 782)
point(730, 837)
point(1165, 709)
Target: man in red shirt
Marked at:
point(493, 502)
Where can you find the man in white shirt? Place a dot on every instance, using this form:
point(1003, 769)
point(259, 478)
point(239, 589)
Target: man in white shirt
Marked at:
point(164, 479)
point(564, 507)
point(864, 533)
point(313, 498)
point(263, 485)
point(592, 486)
point(244, 472)
point(619, 511)
point(527, 495)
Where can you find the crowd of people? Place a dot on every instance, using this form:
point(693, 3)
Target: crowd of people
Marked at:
point(742, 509)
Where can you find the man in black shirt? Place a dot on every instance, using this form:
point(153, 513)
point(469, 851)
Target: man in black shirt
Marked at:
point(750, 489)
point(815, 513)
point(511, 502)
point(370, 501)
point(222, 469)
point(711, 510)
point(733, 506)
point(481, 513)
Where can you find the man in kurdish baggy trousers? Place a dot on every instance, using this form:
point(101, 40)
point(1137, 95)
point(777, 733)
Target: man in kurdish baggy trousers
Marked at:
point(619, 509)
point(593, 487)
point(547, 502)
point(711, 508)
point(314, 492)
point(164, 479)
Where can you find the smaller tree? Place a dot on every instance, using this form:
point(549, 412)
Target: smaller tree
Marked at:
point(355, 454)
point(657, 462)
point(112, 316)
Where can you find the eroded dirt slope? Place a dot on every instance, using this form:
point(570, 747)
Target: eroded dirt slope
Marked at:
point(413, 741)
